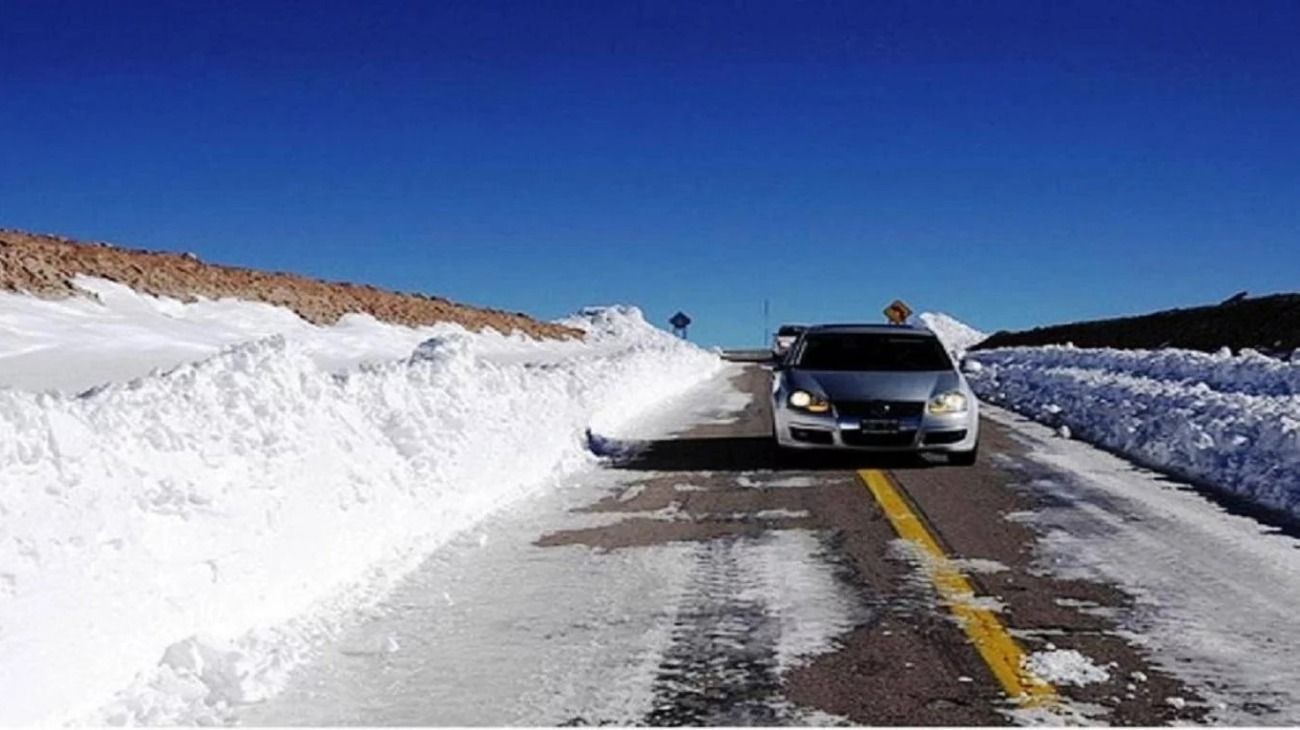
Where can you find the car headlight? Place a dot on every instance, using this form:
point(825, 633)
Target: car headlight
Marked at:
point(944, 403)
point(805, 401)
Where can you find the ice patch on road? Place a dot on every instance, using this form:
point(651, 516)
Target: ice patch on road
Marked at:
point(992, 604)
point(982, 566)
point(631, 493)
point(1090, 608)
point(750, 481)
point(542, 636)
point(801, 591)
point(781, 514)
point(1065, 667)
point(800, 482)
point(754, 608)
point(767, 514)
point(1063, 712)
point(928, 567)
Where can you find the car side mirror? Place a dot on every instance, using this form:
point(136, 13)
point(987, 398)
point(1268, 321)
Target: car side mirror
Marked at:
point(969, 366)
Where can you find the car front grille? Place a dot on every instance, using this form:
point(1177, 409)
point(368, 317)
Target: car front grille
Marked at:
point(898, 439)
point(879, 408)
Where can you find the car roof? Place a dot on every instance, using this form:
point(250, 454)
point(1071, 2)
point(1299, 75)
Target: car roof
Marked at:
point(873, 329)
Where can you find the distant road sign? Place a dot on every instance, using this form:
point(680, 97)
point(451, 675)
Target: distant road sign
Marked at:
point(897, 312)
point(679, 322)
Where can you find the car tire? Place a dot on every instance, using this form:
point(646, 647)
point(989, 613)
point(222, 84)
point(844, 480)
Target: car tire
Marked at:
point(964, 458)
point(776, 440)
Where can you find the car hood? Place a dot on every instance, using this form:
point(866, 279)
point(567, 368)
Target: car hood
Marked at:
point(904, 386)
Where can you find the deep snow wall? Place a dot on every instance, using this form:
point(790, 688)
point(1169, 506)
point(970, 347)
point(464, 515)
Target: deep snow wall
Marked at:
point(1224, 420)
point(184, 534)
point(956, 336)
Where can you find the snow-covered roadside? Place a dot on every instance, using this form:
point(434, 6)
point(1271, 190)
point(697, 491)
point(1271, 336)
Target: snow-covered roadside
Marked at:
point(220, 515)
point(499, 628)
point(956, 336)
point(1231, 421)
point(115, 334)
point(1215, 593)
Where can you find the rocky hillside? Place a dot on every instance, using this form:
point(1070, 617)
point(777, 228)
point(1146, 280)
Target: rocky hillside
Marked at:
point(45, 265)
point(1269, 324)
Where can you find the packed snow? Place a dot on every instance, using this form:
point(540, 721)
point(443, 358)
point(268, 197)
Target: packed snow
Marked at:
point(113, 334)
point(1229, 421)
point(957, 336)
point(173, 543)
point(1214, 593)
point(619, 629)
point(1064, 667)
point(474, 647)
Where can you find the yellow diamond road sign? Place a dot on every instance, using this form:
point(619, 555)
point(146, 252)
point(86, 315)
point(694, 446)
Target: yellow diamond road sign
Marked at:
point(897, 312)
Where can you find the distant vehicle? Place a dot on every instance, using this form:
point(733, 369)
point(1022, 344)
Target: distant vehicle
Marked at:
point(887, 388)
point(785, 338)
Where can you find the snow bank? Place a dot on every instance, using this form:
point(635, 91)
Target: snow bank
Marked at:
point(1230, 421)
point(117, 334)
point(1214, 594)
point(188, 533)
point(957, 336)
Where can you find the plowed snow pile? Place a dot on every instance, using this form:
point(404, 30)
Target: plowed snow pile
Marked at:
point(955, 335)
point(173, 544)
point(115, 334)
point(1231, 421)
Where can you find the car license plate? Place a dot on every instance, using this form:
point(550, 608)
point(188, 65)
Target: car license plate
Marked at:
point(880, 425)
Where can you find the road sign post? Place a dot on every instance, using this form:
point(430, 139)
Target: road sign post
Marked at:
point(680, 322)
point(897, 312)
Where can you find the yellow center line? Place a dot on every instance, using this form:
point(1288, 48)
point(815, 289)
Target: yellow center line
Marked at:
point(997, 648)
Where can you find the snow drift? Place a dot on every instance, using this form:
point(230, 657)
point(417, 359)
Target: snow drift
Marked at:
point(186, 534)
point(1231, 421)
point(116, 334)
point(955, 335)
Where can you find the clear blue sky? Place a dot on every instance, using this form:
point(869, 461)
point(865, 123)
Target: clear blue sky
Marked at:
point(1010, 163)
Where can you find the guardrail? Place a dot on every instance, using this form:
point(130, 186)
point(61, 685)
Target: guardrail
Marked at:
point(762, 356)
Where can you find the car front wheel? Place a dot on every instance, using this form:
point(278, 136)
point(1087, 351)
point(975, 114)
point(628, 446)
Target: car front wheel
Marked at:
point(964, 458)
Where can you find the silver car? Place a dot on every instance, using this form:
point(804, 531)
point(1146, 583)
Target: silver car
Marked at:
point(887, 388)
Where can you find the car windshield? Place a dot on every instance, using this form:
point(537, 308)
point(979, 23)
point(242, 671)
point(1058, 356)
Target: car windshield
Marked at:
point(788, 331)
point(872, 352)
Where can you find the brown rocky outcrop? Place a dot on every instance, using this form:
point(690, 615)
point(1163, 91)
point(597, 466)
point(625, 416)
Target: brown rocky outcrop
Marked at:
point(45, 265)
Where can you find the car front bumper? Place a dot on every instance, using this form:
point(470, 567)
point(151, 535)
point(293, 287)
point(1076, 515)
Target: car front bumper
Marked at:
point(928, 433)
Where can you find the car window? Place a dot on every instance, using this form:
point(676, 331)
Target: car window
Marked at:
point(872, 352)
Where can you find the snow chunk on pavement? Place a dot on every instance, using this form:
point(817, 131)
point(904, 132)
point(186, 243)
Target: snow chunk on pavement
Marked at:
point(1065, 666)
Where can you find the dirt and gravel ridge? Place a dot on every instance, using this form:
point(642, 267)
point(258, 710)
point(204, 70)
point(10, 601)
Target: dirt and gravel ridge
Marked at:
point(45, 265)
point(1269, 324)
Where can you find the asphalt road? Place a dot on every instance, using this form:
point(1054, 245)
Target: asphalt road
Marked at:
point(709, 580)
